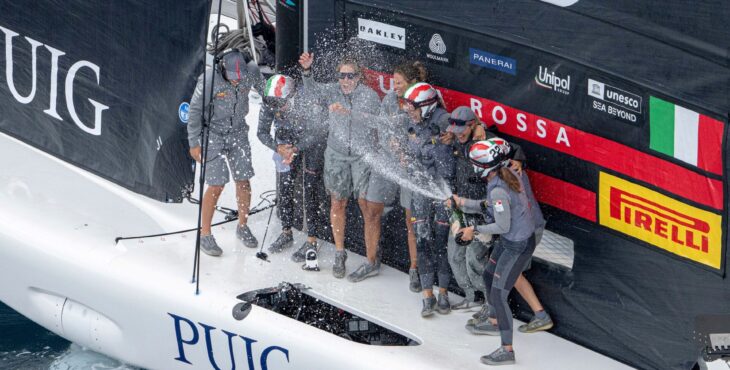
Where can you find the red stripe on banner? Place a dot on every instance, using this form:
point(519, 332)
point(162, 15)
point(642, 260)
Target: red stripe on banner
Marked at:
point(582, 145)
point(709, 151)
point(563, 195)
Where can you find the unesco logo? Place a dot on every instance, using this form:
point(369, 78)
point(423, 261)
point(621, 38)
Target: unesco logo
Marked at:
point(437, 44)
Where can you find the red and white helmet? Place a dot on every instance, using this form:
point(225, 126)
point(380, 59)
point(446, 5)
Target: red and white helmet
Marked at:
point(489, 155)
point(424, 96)
point(279, 86)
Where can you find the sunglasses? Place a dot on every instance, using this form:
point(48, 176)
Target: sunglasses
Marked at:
point(457, 122)
point(348, 75)
point(404, 101)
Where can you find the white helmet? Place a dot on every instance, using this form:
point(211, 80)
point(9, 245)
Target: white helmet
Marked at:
point(489, 155)
point(279, 86)
point(424, 96)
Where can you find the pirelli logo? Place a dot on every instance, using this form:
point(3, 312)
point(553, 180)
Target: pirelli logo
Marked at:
point(659, 220)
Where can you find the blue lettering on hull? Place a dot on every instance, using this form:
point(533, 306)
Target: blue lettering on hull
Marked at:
point(234, 340)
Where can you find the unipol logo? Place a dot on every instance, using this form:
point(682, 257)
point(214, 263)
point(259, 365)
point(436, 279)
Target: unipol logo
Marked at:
point(71, 76)
point(549, 80)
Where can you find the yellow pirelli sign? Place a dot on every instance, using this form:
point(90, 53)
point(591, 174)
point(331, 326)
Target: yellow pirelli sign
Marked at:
point(659, 220)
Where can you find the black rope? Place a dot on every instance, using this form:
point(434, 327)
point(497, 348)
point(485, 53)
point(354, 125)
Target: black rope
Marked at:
point(204, 143)
point(256, 209)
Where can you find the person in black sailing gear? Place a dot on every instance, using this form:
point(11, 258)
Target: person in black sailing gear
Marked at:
point(228, 144)
point(517, 218)
point(295, 139)
point(345, 172)
point(432, 159)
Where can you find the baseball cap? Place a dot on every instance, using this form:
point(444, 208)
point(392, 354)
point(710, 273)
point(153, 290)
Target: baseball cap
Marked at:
point(459, 117)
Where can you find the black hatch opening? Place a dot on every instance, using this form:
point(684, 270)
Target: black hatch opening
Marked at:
point(293, 301)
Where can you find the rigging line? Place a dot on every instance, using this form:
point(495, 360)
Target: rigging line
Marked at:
point(257, 209)
point(204, 143)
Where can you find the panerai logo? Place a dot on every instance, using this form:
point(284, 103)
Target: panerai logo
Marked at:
point(381, 33)
point(71, 77)
point(493, 61)
point(549, 80)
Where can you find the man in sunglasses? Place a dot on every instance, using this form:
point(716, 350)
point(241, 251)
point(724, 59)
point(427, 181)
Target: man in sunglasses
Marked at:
point(350, 137)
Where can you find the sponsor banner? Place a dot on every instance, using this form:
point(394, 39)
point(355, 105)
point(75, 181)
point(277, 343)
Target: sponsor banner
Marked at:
point(595, 149)
point(381, 33)
point(438, 48)
point(492, 61)
point(101, 102)
point(685, 135)
point(616, 102)
point(548, 78)
point(659, 220)
point(582, 145)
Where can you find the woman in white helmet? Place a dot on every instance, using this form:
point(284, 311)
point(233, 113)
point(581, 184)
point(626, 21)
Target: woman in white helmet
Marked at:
point(431, 160)
point(517, 219)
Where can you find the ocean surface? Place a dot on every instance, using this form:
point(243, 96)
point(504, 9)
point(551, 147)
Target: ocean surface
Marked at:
point(25, 345)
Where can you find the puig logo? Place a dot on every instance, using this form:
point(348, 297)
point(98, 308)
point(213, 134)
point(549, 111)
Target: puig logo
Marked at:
point(69, 82)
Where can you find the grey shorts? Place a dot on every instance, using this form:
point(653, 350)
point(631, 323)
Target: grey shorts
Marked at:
point(345, 175)
point(381, 190)
point(232, 150)
point(405, 197)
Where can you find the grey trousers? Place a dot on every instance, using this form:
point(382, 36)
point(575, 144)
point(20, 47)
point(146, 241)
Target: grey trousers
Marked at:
point(467, 265)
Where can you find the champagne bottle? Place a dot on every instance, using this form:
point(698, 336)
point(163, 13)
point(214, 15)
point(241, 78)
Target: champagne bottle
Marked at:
point(457, 216)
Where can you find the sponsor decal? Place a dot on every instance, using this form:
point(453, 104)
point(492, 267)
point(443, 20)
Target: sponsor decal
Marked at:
point(685, 135)
point(206, 339)
point(492, 61)
point(563, 3)
point(71, 80)
point(381, 33)
point(614, 101)
point(288, 3)
point(183, 112)
point(588, 147)
point(659, 220)
point(548, 79)
point(437, 48)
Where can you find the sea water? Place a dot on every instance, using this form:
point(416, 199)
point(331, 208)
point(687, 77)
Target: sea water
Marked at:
point(25, 345)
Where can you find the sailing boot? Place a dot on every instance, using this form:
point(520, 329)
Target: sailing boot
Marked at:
point(285, 240)
point(300, 255)
point(209, 246)
point(429, 304)
point(537, 324)
point(338, 269)
point(499, 357)
point(365, 271)
point(444, 306)
point(483, 328)
point(415, 284)
point(243, 233)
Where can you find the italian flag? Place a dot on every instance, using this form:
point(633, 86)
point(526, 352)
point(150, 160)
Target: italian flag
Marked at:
point(686, 135)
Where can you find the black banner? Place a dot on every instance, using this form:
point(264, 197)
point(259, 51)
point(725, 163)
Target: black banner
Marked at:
point(625, 127)
point(105, 85)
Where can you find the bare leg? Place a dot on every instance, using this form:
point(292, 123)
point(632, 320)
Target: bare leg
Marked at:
point(372, 212)
point(337, 219)
point(243, 198)
point(210, 199)
point(524, 287)
point(428, 293)
point(411, 240)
